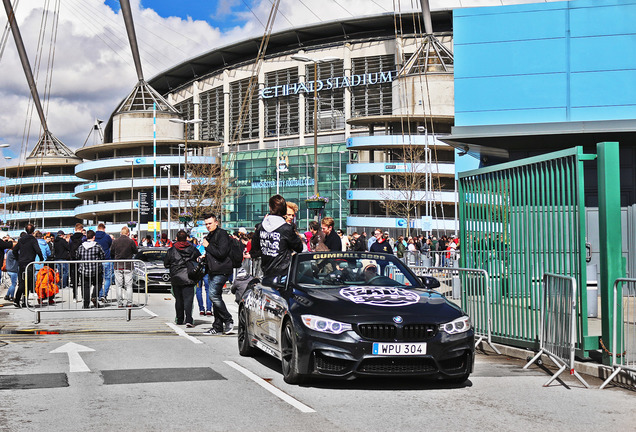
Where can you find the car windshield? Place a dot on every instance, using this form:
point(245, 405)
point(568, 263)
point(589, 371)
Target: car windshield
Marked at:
point(151, 255)
point(332, 269)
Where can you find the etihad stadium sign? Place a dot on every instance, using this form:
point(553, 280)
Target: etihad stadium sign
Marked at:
point(332, 83)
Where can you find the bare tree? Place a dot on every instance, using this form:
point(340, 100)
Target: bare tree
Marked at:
point(407, 189)
point(211, 187)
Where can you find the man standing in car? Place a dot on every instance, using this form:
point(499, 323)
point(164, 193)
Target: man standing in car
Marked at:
point(217, 248)
point(274, 241)
point(333, 242)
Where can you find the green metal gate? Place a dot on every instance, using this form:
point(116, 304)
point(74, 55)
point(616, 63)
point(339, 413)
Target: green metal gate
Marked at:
point(518, 221)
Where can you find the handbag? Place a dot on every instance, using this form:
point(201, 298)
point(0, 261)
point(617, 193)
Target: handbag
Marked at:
point(196, 270)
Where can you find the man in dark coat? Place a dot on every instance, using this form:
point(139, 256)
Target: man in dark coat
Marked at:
point(25, 252)
point(62, 253)
point(76, 240)
point(217, 248)
point(182, 287)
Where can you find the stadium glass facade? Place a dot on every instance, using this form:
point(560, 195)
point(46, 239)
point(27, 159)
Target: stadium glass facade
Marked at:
point(255, 174)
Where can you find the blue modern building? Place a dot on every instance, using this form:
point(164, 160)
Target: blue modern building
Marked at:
point(534, 78)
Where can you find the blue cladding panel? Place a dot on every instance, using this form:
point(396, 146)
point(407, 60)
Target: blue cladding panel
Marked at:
point(603, 53)
point(522, 58)
point(596, 89)
point(603, 113)
point(510, 117)
point(593, 21)
point(514, 26)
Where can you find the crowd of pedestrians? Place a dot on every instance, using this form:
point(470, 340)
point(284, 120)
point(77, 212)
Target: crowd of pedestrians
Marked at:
point(273, 242)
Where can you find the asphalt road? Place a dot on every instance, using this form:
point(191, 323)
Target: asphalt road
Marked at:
point(102, 373)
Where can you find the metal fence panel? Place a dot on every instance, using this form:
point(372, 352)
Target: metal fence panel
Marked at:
point(624, 328)
point(70, 286)
point(472, 290)
point(518, 221)
point(558, 324)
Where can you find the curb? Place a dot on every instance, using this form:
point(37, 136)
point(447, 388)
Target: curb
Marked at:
point(591, 369)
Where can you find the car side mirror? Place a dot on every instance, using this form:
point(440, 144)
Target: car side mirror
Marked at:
point(429, 282)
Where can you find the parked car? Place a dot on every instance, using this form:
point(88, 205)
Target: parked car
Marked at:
point(348, 314)
point(155, 273)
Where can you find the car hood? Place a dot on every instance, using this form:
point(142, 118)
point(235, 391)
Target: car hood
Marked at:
point(373, 304)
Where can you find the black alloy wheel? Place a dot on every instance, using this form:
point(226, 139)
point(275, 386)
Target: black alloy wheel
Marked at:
point(245, 349)
point(289, 352)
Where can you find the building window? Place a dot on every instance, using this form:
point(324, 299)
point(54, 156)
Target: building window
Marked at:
point(186, 108)
point(286, 106)
point(372, 100)
point(330, 102)
point(245, 126)
point(212, 113)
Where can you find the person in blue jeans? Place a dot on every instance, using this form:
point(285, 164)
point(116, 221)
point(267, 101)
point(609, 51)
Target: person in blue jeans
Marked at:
point(12, 271)
point(217, 248)
point(105, 241)
point(204, 308)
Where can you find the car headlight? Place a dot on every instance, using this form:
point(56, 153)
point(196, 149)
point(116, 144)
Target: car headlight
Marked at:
point(460, 325)
point(325, 325)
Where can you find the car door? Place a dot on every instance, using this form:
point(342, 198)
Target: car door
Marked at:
point(274, 307)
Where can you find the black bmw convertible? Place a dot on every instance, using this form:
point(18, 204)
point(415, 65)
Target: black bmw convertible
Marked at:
point(348, 314)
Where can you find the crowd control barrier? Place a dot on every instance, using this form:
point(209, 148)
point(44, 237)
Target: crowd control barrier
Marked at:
point(557, 335)
point(472, 288)
point(75, 286)
point(624, 324)
point(449, 258)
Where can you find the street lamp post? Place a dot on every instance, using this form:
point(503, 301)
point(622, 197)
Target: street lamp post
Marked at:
point(6, 159)
point(307, 184)
point(306, 59)
point(179, 176)
point(340, 185)
point(43, 174)
point(185, 151)
point(132, 185)
point(167, 168)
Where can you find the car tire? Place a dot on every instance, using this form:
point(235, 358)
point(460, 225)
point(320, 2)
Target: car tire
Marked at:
point(289, 355)
point(244, 346)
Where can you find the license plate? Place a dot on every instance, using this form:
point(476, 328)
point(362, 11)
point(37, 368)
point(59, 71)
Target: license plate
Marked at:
point(399, 349)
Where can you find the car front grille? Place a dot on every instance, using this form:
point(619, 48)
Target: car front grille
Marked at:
point(419, 332)
point(385, 365)
point(378, 332)
point(390, 332)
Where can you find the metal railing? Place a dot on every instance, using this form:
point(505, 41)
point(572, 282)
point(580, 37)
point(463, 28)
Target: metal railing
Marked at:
point(75, 286)
point(472, 288)
point(624, 328)
point(558, 324)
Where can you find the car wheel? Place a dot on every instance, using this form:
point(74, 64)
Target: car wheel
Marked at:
point(245, 349)
point(289, 361)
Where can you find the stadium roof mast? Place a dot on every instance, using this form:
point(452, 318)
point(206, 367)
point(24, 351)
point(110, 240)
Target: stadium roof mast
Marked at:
point(48, 145)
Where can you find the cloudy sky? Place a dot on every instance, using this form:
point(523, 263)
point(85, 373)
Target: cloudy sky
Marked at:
point(85, 68)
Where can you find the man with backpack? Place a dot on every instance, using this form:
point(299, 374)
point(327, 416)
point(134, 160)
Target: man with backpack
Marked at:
point(217, 252)
point(176, 260)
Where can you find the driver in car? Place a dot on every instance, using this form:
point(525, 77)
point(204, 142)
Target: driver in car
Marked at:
point(369, 272)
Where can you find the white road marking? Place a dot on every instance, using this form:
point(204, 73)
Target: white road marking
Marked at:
point(181, 332)
point(149, 312)
point(76, 364)
point(270, 388)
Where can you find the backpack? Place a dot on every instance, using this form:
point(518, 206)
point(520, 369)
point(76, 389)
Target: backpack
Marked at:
point(236, 252)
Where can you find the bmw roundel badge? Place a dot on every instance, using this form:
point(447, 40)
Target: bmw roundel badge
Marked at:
point(397, 319)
